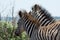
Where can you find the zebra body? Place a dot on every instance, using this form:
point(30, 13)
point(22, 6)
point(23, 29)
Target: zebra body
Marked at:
point(51, 32)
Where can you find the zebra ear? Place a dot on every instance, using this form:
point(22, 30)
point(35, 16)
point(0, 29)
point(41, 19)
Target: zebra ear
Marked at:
point(20, 14)
point(34, 8)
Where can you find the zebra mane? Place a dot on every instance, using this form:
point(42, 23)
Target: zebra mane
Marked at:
point(31, 18)
point(28, 16)
point(47, 14)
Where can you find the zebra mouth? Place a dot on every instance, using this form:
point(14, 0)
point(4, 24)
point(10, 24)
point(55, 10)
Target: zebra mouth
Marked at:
point(17, 33)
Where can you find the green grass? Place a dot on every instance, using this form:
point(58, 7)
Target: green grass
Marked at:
point(7, 32)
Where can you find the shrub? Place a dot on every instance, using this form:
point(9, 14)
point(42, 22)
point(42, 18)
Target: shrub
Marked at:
point(7, 32)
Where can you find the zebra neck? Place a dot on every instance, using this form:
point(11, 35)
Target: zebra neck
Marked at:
point(29, 27)
point(46, 22)
point(43, 18)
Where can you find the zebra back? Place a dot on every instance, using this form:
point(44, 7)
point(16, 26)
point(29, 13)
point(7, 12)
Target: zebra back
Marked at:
point(50, 32)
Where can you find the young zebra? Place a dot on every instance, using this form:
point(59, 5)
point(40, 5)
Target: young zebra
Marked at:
point(27, 23)
point(42, 15)
point(30, 24)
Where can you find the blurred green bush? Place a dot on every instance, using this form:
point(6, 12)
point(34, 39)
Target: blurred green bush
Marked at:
point(7, 32)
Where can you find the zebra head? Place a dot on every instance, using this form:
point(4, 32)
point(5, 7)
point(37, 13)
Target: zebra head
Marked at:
point(20, 27)
point(35, 10)
point(42, 15)
point(26, 22)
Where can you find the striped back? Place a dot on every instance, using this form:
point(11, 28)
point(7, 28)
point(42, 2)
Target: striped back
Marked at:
point(42, 15)
point(29, 23)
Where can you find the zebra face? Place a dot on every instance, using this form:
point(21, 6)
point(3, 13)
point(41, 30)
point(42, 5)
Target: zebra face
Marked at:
point(20, 28)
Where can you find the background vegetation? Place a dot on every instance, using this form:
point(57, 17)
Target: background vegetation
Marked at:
point(7, 32)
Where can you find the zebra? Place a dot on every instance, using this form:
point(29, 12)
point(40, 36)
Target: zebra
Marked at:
point(42, 15)
point(49, 32)
point(49, 28)
point(27, 23)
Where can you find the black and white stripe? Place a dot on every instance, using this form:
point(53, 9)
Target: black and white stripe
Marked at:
point(42, 15)
point(49, 32)
point(50, 29)
point(28, 24)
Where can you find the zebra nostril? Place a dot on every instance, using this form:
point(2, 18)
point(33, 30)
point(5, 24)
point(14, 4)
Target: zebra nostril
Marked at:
point(16, 33)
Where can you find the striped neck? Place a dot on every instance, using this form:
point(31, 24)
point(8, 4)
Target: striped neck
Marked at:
point(43, 17)
point(29, 25)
